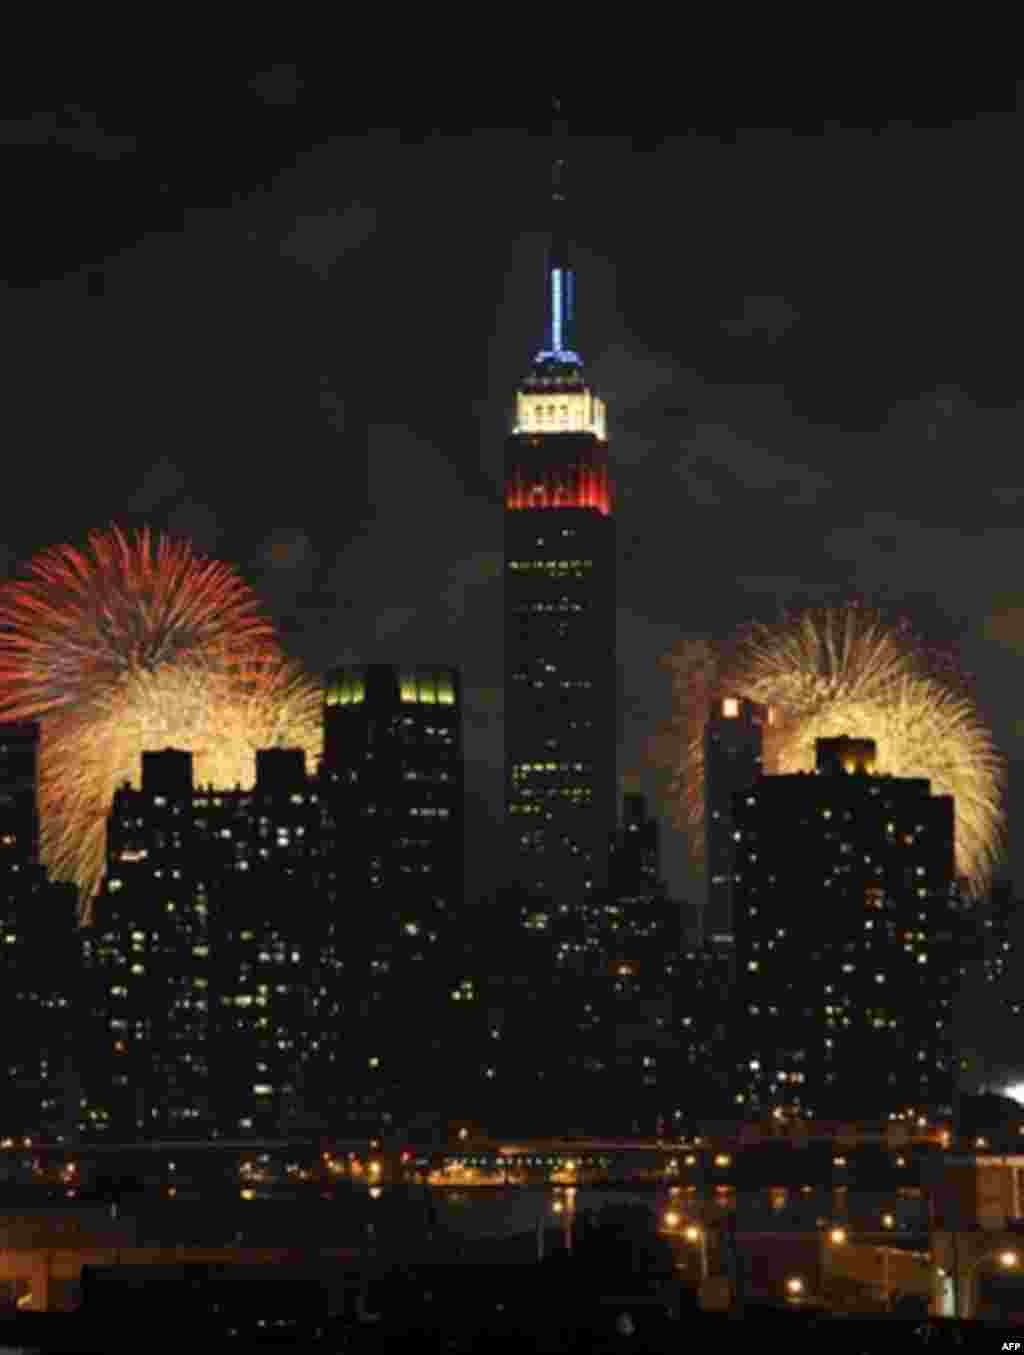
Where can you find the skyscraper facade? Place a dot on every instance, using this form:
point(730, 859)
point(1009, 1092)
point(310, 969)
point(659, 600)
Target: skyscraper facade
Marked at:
point(560, 673)
point(733, 760)
point(392, 776)
point(847, 944)
point(209, 958)
point(393, 772)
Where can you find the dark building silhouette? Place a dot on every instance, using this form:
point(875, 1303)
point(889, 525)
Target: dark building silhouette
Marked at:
point(733, 760)
point(996, 935)
point(19, 795)
point(581, 1008)
point(40, 1006)
point(392, 775)
point(560, 673)
point(635, 865)
point(393, 769)
point(633, 916)
point(847, 943)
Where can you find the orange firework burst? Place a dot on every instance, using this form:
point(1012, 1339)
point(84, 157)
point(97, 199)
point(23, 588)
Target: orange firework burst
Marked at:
point(830, 671)
point(135, 643)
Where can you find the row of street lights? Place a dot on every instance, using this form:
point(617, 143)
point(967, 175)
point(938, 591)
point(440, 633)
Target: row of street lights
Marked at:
point(796, 1285)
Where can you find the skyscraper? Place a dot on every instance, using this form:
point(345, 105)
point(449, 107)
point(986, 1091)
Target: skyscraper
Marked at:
point(393, 773)
point(19, 785)
point(560, 674)
point(733, 759)
point(392, 776)
point(847, 945)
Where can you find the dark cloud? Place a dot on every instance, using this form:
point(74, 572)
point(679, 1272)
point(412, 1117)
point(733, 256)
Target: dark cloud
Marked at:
point(767, 316)
point(279, 86)
point(199, 523)
point(289, 549)
point(318, 242)
point(74, 128)
point(333, 406)
point(161, 482)
point(719, 451)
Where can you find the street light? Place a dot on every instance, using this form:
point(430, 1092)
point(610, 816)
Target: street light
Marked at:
point(671, 1219)
point(1009, 1260)
point(837, 1236)
point(794, 1286)
point(699, 1235)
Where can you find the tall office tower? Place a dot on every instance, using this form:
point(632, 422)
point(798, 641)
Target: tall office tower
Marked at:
point(845, 939)
point(733, 760)
point(19, 795)
point(560, 673)
point(392, 776)
point(393, 766)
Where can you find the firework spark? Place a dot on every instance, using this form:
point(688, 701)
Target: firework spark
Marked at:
point(826, 673)
point(137, 643)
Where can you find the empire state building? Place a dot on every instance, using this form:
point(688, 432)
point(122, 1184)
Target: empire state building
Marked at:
point(560, 673)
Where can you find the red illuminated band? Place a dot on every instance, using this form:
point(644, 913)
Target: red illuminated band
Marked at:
point(581, 487)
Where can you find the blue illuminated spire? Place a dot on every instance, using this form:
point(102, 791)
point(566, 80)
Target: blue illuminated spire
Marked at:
point(559, 281)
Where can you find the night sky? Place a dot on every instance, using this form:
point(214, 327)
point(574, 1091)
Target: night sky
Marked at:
point(232, 310)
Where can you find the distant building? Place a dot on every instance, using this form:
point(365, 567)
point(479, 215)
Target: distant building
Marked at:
point(997, 932)
point(40, 1006)
point(19, 795)
point(635, 865)
point(733, 760)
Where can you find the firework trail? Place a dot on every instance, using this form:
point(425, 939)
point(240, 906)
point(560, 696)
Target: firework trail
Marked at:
point(829, 672)
point(137, 643)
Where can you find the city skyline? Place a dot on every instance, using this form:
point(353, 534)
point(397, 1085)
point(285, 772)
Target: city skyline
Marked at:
point(766, 451)
point(395, 868)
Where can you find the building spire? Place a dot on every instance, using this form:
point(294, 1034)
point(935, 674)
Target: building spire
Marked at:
point(559, 280)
